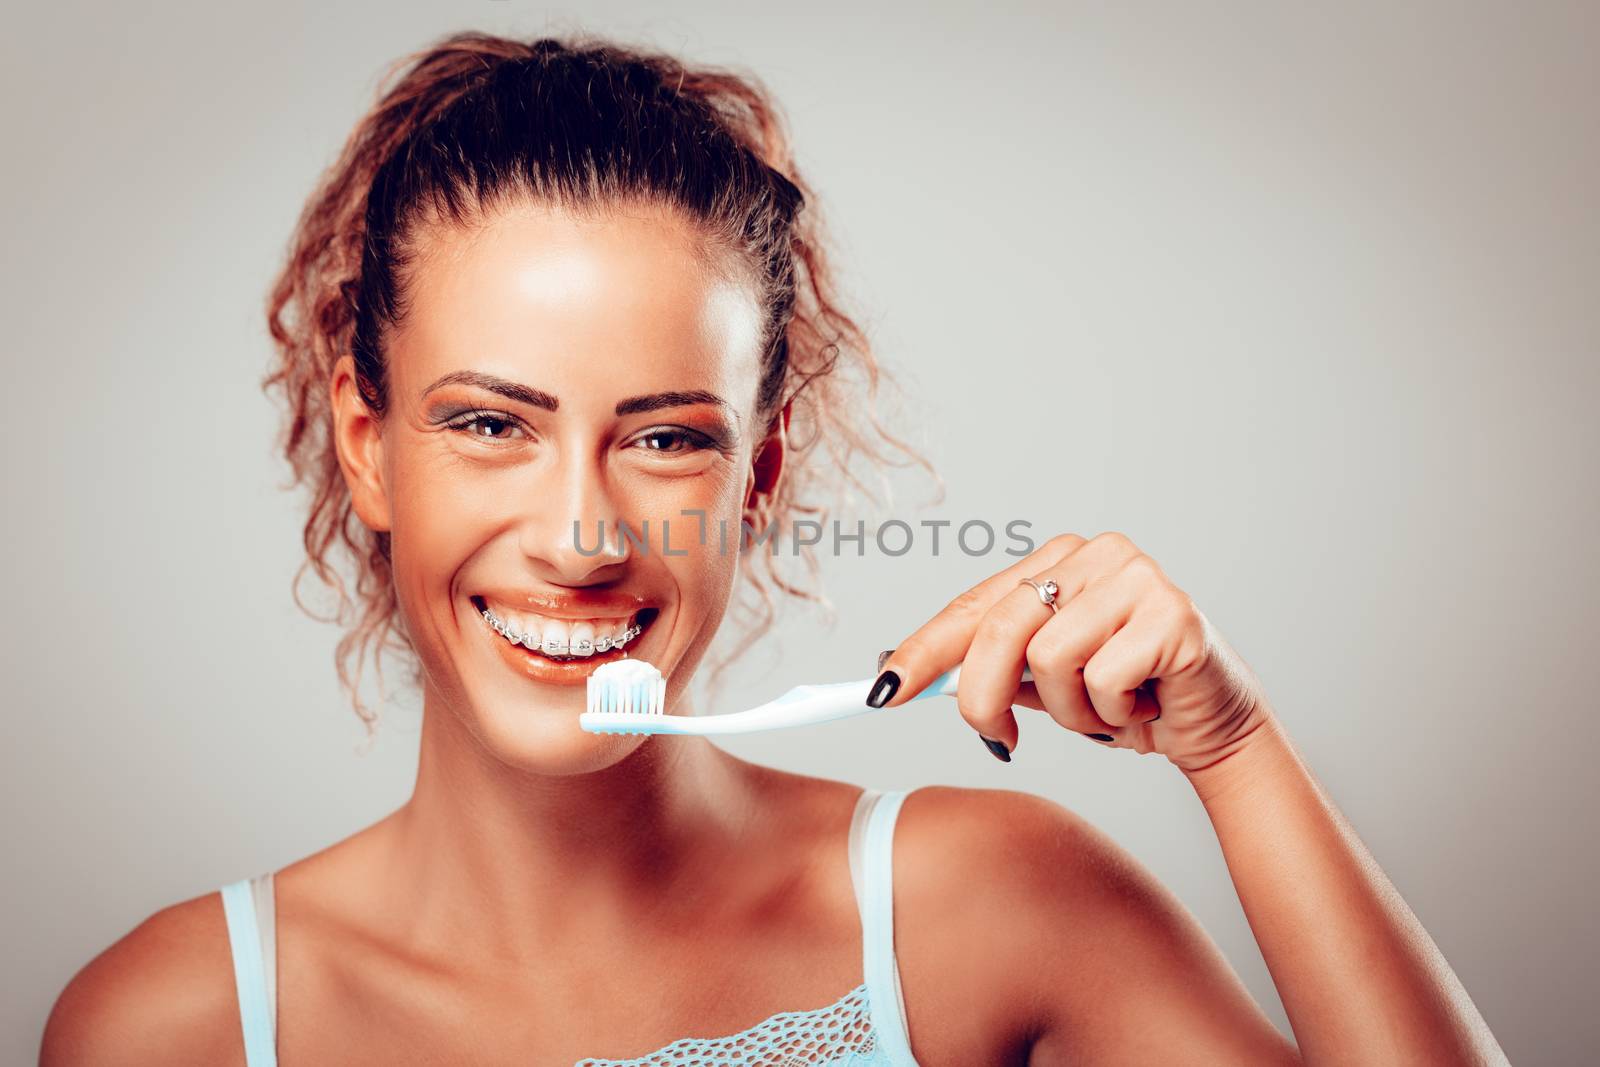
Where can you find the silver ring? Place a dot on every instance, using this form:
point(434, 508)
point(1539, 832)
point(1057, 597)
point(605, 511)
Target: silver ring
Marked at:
point(1047, 591)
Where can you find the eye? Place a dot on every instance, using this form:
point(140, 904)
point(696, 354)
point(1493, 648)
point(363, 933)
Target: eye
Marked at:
point(484, 425)
point(673, 440)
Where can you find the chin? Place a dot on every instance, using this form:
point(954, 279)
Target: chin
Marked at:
point(544, 738)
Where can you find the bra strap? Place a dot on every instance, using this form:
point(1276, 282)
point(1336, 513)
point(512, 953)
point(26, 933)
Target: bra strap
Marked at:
point(882, 969)
point(249, 974)
point(267, 921)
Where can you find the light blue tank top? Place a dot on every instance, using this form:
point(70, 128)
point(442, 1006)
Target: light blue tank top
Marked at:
point(864, 1028)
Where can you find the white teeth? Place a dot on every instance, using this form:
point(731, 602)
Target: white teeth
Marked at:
point(561, 637)
point(582, 639)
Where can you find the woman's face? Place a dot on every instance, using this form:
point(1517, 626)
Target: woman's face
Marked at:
point(552, 370)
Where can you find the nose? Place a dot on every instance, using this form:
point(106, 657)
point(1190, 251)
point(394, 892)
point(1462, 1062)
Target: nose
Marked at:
point(570, 530)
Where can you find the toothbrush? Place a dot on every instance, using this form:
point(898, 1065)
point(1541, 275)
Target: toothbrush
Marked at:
point(628, 696)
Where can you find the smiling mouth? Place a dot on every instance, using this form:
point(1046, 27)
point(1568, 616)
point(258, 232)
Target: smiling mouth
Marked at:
point(566, 640)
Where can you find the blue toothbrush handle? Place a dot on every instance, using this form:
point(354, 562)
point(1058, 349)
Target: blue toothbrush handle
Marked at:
point(804, 705)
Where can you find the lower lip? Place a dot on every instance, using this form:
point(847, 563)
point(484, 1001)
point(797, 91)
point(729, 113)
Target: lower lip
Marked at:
point(539, 668)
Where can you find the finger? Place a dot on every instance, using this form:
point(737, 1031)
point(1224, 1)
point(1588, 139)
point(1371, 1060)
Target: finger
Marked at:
point(1116, 674)
point(1139, 734)
point(1058, 651)
point(942, 641)
point(1027, 692)
point(991, 671)
point(1028, 697)
point(1122, 627)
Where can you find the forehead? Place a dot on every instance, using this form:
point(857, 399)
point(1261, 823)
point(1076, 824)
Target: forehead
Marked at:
point(551, 298)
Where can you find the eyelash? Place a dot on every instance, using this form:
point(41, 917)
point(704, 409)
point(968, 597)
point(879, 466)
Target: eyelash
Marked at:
point(461, 422)
point(697, 441)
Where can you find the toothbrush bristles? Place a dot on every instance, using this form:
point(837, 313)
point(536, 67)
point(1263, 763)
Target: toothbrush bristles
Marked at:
point(626, 687)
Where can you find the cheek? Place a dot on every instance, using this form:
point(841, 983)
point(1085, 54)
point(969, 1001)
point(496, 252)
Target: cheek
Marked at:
point(440, 515)
point(693, 530)
point(689, 503)
point(703, 573)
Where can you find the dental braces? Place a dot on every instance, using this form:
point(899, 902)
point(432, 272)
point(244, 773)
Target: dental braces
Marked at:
point(553, 647)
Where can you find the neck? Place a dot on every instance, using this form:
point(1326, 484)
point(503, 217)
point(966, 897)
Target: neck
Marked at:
point(512, 864)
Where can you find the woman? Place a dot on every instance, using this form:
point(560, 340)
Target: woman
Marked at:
point(549, 285)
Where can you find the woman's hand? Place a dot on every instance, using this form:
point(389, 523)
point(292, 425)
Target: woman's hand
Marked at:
point(1126, 657)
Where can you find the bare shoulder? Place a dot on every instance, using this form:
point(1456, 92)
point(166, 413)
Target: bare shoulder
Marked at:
point(1017, 849)
point(971, 869)
point(1063, 936)
point(163, 993)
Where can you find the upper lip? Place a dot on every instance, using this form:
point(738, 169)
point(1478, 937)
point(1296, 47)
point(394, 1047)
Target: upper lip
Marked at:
point(590, 604)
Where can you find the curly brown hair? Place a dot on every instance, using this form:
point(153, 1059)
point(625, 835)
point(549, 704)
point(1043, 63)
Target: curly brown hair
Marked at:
point(476, 120)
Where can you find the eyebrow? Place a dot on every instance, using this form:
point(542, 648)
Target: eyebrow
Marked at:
point(538, 398)
point(522, 394)
point(673, 399)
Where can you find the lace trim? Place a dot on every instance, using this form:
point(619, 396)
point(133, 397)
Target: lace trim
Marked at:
point(839, 1035)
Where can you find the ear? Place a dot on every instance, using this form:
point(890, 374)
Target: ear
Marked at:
point(766, 469)
point(358, 440)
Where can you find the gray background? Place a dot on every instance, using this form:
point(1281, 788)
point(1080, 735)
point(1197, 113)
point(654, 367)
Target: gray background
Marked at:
point(1301, 300)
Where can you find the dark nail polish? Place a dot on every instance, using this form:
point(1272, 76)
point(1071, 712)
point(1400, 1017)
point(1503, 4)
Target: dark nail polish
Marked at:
point(883, 689)
point(883, 657)
point(1101, 737)
point(1001, 752)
